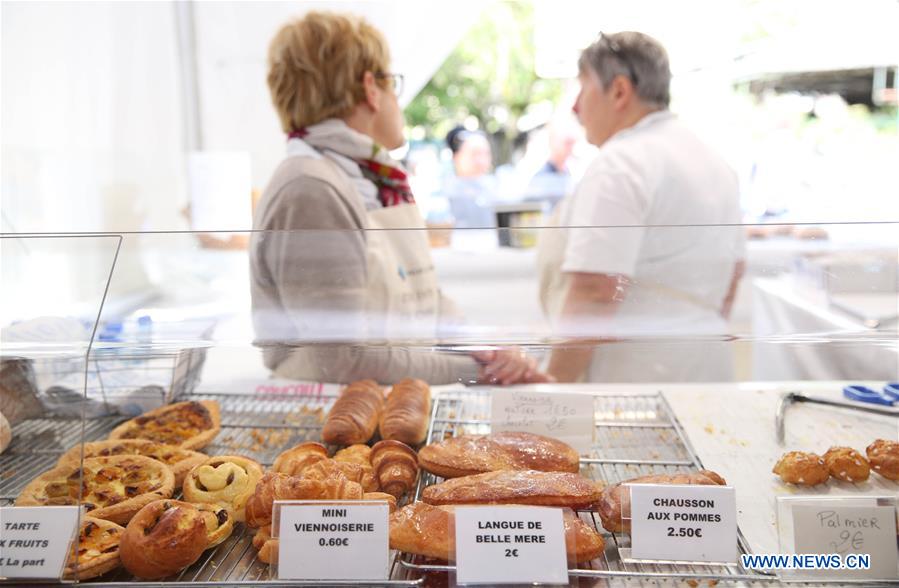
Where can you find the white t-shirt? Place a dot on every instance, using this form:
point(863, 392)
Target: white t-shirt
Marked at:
point(639, 204)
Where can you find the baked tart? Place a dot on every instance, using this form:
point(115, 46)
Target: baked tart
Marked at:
point(189, 425)
point(180, 460)
point(225, 480)
point(97, 551)
point(112, 488)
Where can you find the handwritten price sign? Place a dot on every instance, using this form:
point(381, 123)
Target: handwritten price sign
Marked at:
point(567, 417)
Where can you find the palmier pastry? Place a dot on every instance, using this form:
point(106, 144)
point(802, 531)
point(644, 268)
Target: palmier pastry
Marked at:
point(276, 486)
point(189, 425)
point(847, 464)
point(112, 488)
point(395, 467)
point(97, 549)
point(226, 480)
point(615, 500)
point(180, 460)
point(297, 458)
point(427, 530)
point(355, 414)
point(219, 522)
point(475, 454)
point(802, 469)
point(562, 489)
point(162, 539)
point(884, 458)
point(406, 412)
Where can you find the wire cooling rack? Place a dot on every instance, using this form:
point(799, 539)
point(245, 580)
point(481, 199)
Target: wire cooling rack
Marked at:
point(636, 435)
point(258, 426)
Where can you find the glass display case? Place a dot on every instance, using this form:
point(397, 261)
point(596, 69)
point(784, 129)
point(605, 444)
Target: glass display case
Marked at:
point(236, 358)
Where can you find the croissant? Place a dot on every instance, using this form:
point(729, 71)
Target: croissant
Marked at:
point(358, 453)
point(277, 486)
point(395, 467)
point(297, 458)
point(390, 499)
point(405, 416)
point(355, 414)
point(326, 468)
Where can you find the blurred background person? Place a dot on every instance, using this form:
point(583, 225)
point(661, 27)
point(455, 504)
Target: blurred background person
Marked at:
point(553, 180)
point(631, 277)
point(320, 274)
point(471, 190)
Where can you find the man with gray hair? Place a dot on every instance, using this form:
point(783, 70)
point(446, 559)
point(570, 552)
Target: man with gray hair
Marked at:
point(648, 256)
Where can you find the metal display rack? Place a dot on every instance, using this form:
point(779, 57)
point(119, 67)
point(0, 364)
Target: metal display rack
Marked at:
point(636, 435)
point(259, 427)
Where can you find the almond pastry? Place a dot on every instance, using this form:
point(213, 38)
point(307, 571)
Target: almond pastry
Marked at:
point(97, 550)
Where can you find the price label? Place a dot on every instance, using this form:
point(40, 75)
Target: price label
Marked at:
point(312, 536)
point(34, 540)
point(510, 545)
point(829, 527)
point(683, 523)
point(566, 417)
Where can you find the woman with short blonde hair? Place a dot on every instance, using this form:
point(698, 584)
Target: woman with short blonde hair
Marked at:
point(330, 270)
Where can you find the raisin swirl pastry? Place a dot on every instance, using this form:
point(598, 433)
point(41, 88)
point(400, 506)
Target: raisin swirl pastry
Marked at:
point(219, 522)
point(162, 539)
point(97, 549)
point(226, 480)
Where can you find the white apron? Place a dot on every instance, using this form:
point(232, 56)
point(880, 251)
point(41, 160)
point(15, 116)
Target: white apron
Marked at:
point(402, 298)
point(633, 353)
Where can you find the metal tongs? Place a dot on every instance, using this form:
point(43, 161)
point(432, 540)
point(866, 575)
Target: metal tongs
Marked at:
point(793, 397)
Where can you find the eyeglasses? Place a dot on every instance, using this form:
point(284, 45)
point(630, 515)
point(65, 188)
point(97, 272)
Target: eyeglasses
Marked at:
point(395, 81)
point(616, 50)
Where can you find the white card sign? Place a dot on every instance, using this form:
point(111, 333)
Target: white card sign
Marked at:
point(314, 535)
point(510, 545)
point(833, 528)
point(683, 523)
point(34, 540)
point(566, 417)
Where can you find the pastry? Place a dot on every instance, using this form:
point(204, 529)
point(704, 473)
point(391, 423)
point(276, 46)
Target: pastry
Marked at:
point(219, 522)
point(476, 454)
point(388, 498)
point(847, 464)
point(226, 480)
point(616, 499)
point(297, 458)
point(189, 425)
point(97, 550)
point(162, 539)
point(358, 453)
point(355, 414)
point(395, 467)
point(276, 486)
point(353, 472)
point(801, 468)
point(884, 458)
point(427, 530)
point(114, 487)
point(180, 460)
point(266, 545)
point(263, 534)
point(562, 489)
point(406, 412)
point(5, 433)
